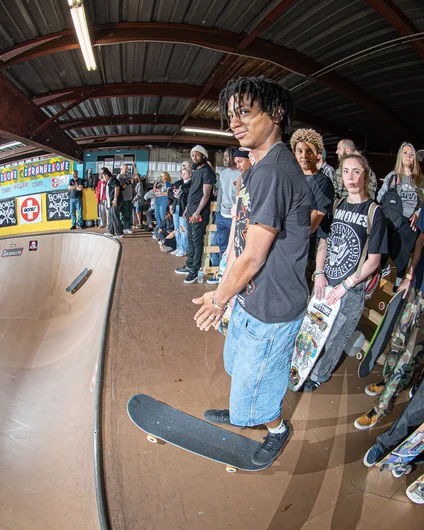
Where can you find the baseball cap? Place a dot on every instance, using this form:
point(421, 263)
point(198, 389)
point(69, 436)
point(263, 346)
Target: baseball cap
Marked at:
point(241, 154)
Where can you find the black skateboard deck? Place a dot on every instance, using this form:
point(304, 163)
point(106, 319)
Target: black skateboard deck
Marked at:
point(79, 281)
point(162, 422)
point(382, 334)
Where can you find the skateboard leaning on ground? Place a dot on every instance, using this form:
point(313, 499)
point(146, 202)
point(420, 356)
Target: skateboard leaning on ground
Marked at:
point(382, 334)
point(398, 459)
point(310, 340)
point(162, 422)
point(415, 491)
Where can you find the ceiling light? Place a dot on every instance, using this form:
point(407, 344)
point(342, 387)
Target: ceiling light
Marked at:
point(213, 132)
point(9, 145)
point(80, 24)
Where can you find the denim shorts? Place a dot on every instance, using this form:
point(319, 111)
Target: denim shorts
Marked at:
point(138, 208)
point(257, 356)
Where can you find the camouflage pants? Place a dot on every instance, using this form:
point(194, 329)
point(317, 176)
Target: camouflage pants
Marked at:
point(406, 352)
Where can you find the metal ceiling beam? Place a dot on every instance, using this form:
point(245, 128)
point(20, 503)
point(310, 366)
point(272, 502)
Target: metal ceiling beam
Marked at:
point(215, 39)
point(137, 119)
point(157, 138)
point(399, 20)
point(19, 116)
point(205, 123)
point(120, 90)
point(56, 116)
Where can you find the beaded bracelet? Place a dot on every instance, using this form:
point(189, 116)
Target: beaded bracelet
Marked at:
point(318, 273)
point(216, 306)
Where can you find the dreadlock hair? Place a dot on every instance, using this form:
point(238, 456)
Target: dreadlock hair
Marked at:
point(308, 136)
point(231, 151)
point(271, 97)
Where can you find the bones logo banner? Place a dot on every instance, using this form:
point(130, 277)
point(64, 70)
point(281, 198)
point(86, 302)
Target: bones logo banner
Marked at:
point(58, 206)
point(8, 213)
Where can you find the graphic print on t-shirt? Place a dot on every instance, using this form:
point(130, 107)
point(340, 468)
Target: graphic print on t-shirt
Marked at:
point(242, 225)
point(345, 243)
point(409, 196)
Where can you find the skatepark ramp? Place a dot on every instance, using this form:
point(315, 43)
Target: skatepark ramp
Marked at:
point(50, 341)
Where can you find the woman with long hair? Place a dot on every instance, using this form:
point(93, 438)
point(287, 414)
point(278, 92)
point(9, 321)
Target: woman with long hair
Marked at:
point(407, 179)
point(179, 195)
point(160, 189)
point(357, 237)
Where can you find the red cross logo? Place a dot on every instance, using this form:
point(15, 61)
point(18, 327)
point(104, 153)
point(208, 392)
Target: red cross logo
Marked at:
point(30, 209)
point(55, 182)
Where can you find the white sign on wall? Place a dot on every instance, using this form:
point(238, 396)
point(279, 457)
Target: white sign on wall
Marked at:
point(29, 209)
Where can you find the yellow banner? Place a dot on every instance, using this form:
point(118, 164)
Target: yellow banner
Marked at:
point(47, 168)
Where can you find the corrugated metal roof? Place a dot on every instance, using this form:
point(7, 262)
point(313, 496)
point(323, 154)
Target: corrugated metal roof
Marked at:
point(346, 37)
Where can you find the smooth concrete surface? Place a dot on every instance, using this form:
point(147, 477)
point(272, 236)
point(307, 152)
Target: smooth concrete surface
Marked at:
point(318, 482)
point(49, 344)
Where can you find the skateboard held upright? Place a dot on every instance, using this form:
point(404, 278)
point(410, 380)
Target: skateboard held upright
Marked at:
point(310, 340)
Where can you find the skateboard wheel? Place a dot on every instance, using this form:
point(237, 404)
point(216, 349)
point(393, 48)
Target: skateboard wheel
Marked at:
point(152, 439)
point(359, 356)
point(231, 469)
point(381, 306)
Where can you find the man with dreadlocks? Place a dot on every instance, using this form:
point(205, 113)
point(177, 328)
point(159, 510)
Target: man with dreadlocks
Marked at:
point(265, 266)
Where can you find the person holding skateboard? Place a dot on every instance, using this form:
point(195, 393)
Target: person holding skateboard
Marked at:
point(265, 266)
point(406, 349)
point(344, 260)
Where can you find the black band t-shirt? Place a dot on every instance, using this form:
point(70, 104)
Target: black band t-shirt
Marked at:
point(202, 175)
point(75, 194)
point(275, 193)
point(348, 235)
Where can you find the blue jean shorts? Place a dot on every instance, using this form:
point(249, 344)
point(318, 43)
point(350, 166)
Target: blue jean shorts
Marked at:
point(257, 356)
point(138, 207)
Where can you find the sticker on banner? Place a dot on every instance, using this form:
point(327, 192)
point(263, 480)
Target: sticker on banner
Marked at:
point(30, 209)
point(11, 252)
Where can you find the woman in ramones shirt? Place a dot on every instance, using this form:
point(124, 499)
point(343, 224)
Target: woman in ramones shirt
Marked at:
point(338, 259)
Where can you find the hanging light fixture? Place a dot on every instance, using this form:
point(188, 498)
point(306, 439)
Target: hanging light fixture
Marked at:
point(80, 24)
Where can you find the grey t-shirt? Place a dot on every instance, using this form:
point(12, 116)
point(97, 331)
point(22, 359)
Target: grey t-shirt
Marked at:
point(227, 191)
point(275, 193)
point(127, 193)
point(407, 191)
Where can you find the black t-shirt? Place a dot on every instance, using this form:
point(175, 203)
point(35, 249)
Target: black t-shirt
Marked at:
point(75, 194)
point(275, 193)
point(322, 199)
point(111, 185)
point(348, 236)
point(202, 175)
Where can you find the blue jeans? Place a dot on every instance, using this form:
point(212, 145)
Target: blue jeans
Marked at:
point(161, 205)
point(76, 206)
point(223, 228)
point(180, 235)
point(257, 356)
point(214, 256)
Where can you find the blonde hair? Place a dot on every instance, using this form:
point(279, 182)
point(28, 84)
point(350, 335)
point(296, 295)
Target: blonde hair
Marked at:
point(166, 175)
point(356, 155)
point(417, 175)
point(309, 136)
point(187, 170)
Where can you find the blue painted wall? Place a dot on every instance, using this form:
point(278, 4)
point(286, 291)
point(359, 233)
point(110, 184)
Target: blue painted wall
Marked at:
point(141, 159)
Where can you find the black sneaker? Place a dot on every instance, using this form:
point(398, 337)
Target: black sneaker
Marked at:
point(218, 416)
point(271, 447)
point(310, 385)
point(73, 227)
point(183, 270)
point(191, 277)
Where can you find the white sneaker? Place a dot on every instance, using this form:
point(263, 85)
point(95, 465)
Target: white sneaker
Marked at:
point(175, 252)
point(118, 237)
point(127, 231)
point(181, 254)
point(154, 237)
point(101, 226)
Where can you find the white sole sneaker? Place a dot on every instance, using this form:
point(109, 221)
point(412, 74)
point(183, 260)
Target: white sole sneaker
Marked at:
point(372, 394)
